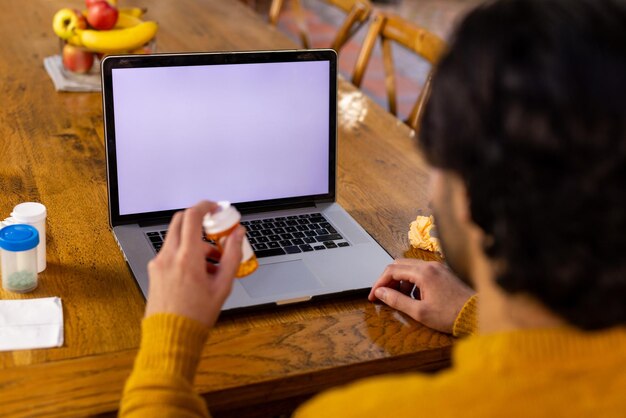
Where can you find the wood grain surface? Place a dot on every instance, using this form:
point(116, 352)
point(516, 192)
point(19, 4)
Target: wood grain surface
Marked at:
point(52, 151)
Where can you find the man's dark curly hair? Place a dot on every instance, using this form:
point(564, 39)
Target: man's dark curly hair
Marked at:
point(528, 107)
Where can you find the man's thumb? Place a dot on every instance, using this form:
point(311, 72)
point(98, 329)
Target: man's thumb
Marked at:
point(394, 299)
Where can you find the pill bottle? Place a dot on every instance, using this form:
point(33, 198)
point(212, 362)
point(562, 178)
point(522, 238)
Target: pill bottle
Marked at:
point(219, 225)
point(18, 254)
point(34, 214)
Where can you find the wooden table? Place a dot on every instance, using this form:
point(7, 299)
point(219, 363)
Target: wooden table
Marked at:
point(52, 151)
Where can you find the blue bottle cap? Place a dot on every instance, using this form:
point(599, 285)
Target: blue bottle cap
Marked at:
point(18, 237)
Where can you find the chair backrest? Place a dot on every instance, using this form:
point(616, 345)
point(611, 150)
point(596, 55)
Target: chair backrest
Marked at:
point(357, 11)
point(390, 28)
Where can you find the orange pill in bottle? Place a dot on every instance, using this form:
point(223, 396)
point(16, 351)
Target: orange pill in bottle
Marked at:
point(219, 225)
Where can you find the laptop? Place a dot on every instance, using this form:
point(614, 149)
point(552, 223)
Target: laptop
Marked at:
point(258, 129)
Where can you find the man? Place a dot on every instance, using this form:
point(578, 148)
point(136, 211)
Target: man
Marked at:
point(526, 131)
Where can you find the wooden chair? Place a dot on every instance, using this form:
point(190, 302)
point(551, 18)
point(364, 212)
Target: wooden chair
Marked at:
point(357, 11)
point(414, 38)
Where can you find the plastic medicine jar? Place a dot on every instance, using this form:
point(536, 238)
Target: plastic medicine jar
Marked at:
point(219, 225)
point(18, 254)
point(34, 214)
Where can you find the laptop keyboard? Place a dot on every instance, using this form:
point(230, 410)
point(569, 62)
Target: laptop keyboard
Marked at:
point(282, 235)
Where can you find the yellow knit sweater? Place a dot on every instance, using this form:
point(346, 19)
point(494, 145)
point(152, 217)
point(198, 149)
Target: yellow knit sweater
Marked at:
point(557, 372)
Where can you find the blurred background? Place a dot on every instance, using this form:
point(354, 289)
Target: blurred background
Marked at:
point(324, 18)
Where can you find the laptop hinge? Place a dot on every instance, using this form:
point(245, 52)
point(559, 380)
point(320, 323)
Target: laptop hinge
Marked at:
point(152, 222)
point(274, 208)
point(244, 211)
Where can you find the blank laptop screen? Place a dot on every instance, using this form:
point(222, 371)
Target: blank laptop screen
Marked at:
point(237, 132)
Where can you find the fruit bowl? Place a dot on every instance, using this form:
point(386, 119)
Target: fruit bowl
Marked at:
point(81, 61)
point(102, 29)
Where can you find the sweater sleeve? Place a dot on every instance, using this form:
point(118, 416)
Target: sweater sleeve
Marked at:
point(161, 383)
point(466, 322)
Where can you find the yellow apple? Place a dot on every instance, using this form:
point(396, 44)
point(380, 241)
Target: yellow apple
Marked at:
point(66, 21)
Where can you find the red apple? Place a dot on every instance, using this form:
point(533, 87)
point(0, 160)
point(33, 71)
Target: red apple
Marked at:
point(90, 2)
point(77, 59)
point(101, 15)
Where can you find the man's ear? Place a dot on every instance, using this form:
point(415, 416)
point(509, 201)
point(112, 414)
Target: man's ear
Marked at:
point(463, 212)
point(460, 199)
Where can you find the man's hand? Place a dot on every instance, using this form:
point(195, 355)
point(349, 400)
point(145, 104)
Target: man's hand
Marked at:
point(440, 297)
point(181, 280)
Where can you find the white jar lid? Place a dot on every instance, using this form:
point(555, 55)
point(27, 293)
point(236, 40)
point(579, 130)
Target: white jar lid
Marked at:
point(223, 218)
point(29, 212)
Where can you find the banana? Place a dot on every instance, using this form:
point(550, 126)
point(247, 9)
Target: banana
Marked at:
point(126, 21)
point(74, 40)
point(118, 40)
point(133, 11)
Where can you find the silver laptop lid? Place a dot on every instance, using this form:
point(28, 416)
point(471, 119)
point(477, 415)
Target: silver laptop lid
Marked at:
point(255, 128)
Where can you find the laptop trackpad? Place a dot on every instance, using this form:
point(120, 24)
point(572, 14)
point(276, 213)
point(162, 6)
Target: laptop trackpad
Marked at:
point(280, 279)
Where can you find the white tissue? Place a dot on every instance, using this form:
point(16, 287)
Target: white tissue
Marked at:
point(31, 323)
point(64, 81)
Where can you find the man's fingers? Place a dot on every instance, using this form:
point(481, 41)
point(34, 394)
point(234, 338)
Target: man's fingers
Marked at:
point(231, 258)
point(415, 273)
point(212, 252)
point(386, 280)
point(398, 300)
point(211, 268)
point(408, 261)
point(412, 273)
point(192, 222)
point(173, 232)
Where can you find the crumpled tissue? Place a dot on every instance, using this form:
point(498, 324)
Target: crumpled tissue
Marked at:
point(423, 235)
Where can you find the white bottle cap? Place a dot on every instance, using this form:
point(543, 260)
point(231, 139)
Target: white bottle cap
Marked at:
point(223, 218)
point(29, 212)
